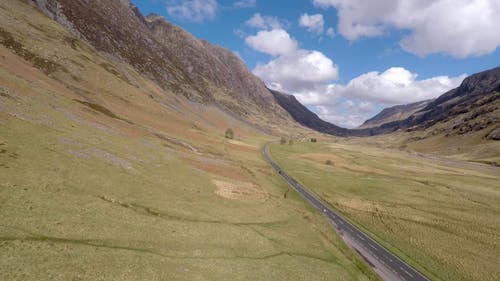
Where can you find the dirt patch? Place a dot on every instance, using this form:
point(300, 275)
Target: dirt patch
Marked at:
point(241, 146)
point(219, 169)
point(240, 143)
point(239, 191)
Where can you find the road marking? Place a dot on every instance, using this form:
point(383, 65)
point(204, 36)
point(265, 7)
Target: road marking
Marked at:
point(409, 274)
point(360, 237)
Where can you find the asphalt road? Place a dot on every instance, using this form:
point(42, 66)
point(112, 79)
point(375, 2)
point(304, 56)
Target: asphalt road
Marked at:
point(388, 265)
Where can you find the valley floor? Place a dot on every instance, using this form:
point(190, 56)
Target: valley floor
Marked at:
point(438, 214)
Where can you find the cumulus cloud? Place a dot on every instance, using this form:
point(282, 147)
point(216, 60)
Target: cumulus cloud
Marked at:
point(397, 85)
point(264, 22)
point(347, 114)
point(461, 28)
point(351, 104)
point(244, 4)
point(273, 42)
point(292, 68)
point(313, 23)
point(193, 10)
point(297, 71)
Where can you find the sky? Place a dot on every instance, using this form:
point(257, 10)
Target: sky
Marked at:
point(346, 60)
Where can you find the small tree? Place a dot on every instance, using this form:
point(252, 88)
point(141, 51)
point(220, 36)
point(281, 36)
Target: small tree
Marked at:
point(282, 140)
point(229, 134)
point(329, 162)
point(314, 140)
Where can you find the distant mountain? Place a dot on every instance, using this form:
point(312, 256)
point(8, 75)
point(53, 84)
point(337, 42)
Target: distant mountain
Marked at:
point(473, 106)
point(170, 56)
point(395, 113)
point(305, 117)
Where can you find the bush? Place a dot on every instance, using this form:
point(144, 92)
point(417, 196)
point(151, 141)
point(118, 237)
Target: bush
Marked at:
point(329, 162)
point(290, 142)
point(282, 140)
point(229, 134)
point(314, 140)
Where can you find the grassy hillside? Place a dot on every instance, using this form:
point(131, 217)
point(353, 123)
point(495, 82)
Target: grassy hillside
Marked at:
point(440, 215)
point(105, 176)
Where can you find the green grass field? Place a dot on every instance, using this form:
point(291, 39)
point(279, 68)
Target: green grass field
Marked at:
point(440, 215)
point(105, 178)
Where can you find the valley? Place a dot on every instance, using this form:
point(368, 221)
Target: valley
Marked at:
point(438, 214)
point(131, 150)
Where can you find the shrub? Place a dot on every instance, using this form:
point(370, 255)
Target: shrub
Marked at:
point(314, 140)
point(329, 162)
point(229, 134)
point(282, 140)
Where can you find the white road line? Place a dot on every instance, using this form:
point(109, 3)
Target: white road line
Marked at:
point(409, 274)
point(360, 237)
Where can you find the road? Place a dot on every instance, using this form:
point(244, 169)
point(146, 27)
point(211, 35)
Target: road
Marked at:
point(385, 263)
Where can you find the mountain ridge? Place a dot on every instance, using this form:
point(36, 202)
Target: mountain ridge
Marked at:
point(170, 56)
point(423, 115)
point(394, 113)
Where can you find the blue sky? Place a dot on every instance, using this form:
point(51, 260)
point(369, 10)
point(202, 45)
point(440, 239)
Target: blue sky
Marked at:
point(345, 59)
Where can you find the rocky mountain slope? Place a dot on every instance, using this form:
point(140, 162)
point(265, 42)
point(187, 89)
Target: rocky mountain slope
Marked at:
point(473, 106)
point(170, 56)
point(305, 117)
point(395, 113)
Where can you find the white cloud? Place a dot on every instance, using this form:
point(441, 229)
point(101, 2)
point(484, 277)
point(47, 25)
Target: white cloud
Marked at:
point(461, 28)
point(397, 85)
point(330, 32)
point(263, 22)
point(273, 42)
point(193, 10)
point(313, 23)
point(351, 104)
point(297, 71)
point(348, 118)
point(244, 4)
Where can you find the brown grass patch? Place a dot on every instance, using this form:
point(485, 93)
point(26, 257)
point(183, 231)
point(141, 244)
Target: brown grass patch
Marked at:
point(220, 169)
point(241, 146)
point(239, 191)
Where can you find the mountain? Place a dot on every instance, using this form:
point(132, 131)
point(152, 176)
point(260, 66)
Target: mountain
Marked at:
point(170, 56)
point(305, 117)
point(395, 113)
point(473, 106)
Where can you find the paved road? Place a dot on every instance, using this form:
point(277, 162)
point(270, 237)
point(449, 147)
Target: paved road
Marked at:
point(388, 265)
